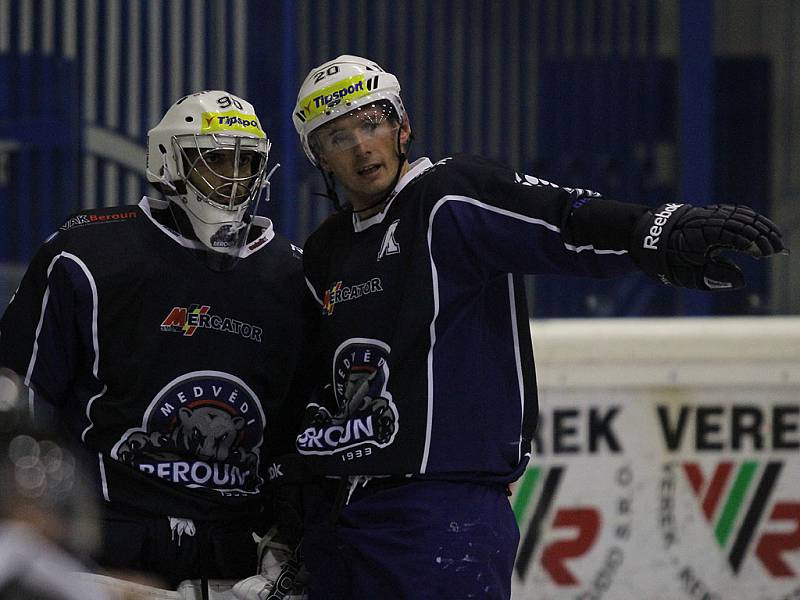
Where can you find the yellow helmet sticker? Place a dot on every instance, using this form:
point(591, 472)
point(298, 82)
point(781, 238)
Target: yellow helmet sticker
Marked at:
point(345, 90)
point(231, 120)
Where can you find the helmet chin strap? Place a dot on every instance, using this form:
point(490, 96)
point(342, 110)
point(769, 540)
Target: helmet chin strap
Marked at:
point(330, 190)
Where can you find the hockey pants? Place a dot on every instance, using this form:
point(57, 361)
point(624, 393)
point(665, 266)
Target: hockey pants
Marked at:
point(176, 550)
point(416, 541)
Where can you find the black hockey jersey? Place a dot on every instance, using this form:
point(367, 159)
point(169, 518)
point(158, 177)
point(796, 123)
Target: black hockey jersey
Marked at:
point(168, 372)
point(424, 328)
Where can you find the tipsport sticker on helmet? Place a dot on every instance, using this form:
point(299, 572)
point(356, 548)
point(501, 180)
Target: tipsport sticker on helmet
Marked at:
point(231, 120)
point(202, 430)
point(346, 90)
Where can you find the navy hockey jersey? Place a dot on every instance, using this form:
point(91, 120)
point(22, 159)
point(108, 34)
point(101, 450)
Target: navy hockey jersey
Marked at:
point(168, 372)
point(424, 330)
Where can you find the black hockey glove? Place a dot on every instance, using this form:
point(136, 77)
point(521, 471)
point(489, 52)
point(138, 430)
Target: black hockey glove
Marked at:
point(680, 244)
point(292, 487)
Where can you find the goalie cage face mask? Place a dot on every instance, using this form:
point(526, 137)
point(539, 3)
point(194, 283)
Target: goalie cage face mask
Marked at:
point(208, 155)
point(222, 179)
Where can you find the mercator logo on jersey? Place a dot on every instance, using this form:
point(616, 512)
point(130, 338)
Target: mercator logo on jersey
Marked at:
point(344, 293)
point(365, 414)
point(187, 320)
point(202, 430)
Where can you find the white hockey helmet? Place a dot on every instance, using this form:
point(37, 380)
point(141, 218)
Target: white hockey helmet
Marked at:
point(198, 133)
point(337, 87)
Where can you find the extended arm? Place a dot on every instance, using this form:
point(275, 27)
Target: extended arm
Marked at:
point(522, 224)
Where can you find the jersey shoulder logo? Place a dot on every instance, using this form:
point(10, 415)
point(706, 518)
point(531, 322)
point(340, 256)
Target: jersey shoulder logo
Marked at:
point(75, 221)
point(94, 218)
point(389, 244)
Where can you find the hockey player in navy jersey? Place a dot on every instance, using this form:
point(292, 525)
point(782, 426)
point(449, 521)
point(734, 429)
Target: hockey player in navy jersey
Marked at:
point(431, 402)
point(165, 335)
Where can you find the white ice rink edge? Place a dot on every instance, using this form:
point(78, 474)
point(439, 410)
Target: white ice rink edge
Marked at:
point(672, 352)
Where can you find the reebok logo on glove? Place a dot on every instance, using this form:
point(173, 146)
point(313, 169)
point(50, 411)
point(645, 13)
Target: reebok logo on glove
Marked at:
point(661, 218)
point(688, 242)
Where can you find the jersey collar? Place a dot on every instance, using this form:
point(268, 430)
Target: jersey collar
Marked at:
point(147, 205)
point(418, 167)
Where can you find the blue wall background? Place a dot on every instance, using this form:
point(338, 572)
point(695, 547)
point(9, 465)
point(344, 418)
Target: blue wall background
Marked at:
point(578, 92)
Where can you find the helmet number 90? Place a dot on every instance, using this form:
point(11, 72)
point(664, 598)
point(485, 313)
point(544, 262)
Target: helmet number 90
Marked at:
point(320, 75)
point(226, 101)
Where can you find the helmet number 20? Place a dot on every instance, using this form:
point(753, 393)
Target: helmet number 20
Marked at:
point(226, 101)
point(320, 75)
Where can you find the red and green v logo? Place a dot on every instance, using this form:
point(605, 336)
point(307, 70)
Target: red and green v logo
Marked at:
point(723, 495)
point(537, 489)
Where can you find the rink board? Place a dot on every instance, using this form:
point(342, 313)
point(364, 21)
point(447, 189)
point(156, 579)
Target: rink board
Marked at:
point(666, 463)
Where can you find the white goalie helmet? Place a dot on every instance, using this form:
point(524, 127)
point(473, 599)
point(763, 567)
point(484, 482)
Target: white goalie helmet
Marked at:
point(340, 86)
point(209, 156)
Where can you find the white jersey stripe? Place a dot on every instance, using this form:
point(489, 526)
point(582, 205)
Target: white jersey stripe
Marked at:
point(593, 249)
point(35, 351)
point(95, 339)
point(313, 292)
point(45, 299)
point(88, 408)
point(435, 288)
point(103, 480)
point(527, 219)
point(517, 359)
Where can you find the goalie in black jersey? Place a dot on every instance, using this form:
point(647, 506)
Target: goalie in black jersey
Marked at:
point(165, 335)
point(419, 276)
